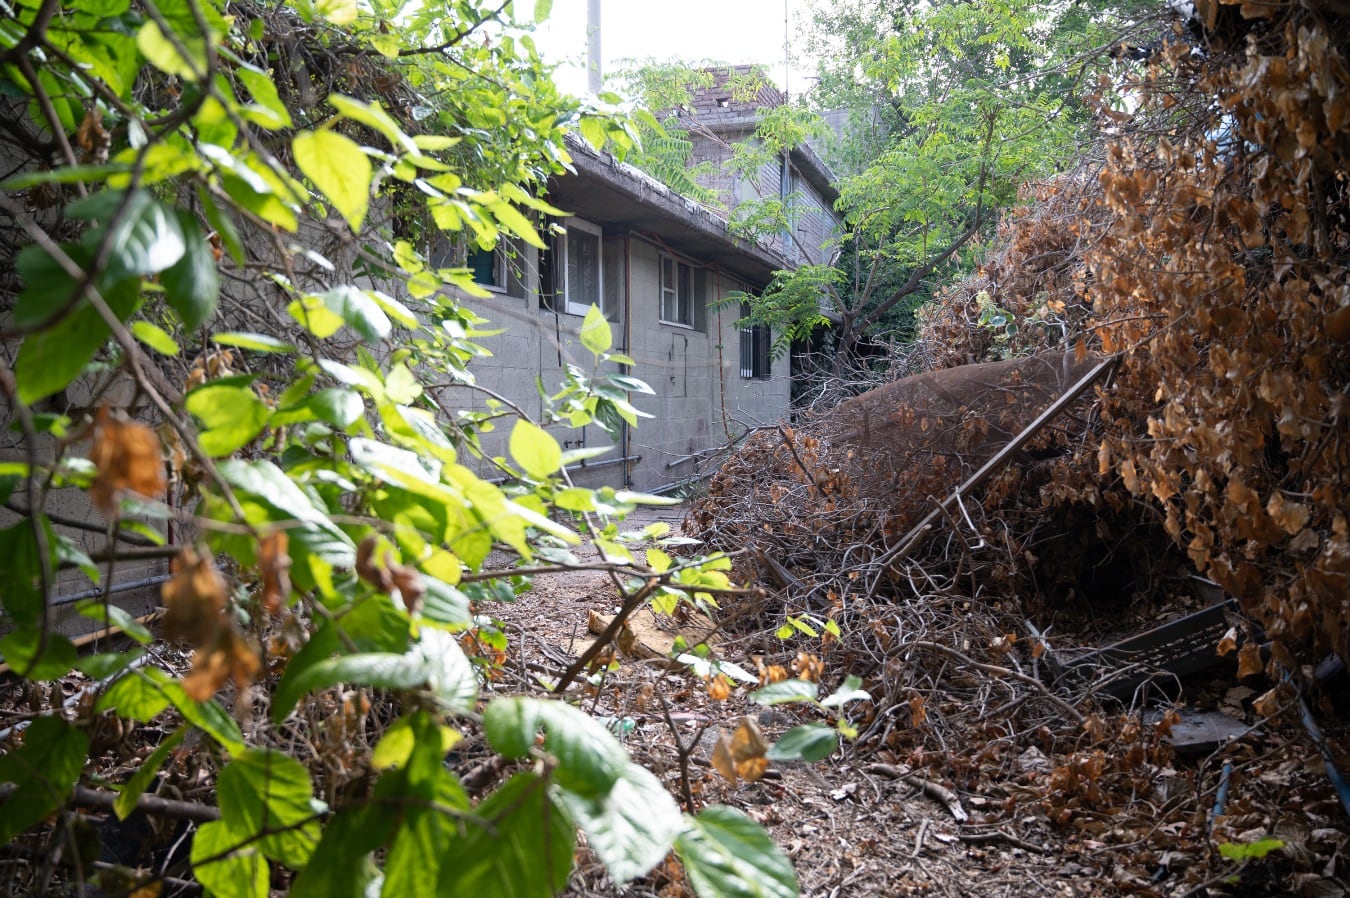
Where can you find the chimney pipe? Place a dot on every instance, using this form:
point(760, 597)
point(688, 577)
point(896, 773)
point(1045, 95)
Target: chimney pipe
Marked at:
point(593, 72)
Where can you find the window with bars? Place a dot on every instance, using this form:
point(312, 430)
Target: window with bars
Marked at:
point(756, 350)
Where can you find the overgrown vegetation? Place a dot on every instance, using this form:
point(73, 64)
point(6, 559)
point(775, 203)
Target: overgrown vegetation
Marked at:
point(227, 347)
point(1198, 248)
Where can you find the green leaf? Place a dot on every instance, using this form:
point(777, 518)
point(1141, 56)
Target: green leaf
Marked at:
point(155, 337)
point(589, 758)
point(361, 313)
point(256, 342)
point(541, 10)
point(340, 170)
point(264, 790)
point(574, 498)
point(43, 770)
point(593, 129)
point(340, 866)
point(135, 696)
point(433, 804)
point(785, 691)
point(224, 226)
point(338, 12)
point(450, 674)
point(434, 143)
point(645, 498)
point(535, 450)
point(162, 54)
point(315, 316)
point(632, 827)
point(113, 616)
point(436, 662)
point(192, 284)
point(373, 114)
point(524, 851)
point(143, 693)
point(135, 787)
point(20, 649)
point(66, 174)
point(232, 417)
point(595, 331)
point(1246, 851)
point(21, 575)
point(228, 862)
point(808, 742)
point(336, 406)
point(106, 665)
point(850, 691)
point(271, 487)
point(728, 855)
point(396, 745)
point(511, 218)
point(267, 109)
point(445, 604)
point(51, 358)
point(631, 383)
point(146, 237)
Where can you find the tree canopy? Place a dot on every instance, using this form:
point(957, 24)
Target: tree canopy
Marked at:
point(953, 106)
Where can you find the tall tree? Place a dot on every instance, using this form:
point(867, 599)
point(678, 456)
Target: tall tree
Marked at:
point(954, 105)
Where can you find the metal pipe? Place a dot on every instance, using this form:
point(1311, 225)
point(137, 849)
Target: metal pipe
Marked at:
point(112, 591)
point(588, 465)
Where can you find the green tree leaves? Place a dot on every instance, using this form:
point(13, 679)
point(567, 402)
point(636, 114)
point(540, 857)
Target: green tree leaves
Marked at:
point(192, 204)
point(42, 770)
point(728, 855)
point(627, 815)
point(340, 170)
point(535, 450)
point(267, 794)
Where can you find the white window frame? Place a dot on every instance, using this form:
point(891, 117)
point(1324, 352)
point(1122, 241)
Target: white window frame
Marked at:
point(570, 306)
point(670, 292)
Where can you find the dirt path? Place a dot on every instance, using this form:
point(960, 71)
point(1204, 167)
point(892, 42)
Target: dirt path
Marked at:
point(850, 831)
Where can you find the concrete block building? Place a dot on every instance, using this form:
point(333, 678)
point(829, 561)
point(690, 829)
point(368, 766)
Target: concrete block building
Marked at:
point(663, 270)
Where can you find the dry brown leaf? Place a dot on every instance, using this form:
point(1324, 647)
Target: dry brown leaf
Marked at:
point(719, 688)
point(128, 459)
point(918, 712)
point(194, 598)
point(1249, 660)
point(368, 569)
point(229, 656)
point(275, 566)
point(722, 761)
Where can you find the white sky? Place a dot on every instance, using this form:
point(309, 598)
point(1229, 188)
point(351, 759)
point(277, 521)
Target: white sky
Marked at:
point(723, 31)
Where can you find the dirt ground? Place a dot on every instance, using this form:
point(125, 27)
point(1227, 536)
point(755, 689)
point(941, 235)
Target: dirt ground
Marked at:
point(950, 790)
point(853, 829)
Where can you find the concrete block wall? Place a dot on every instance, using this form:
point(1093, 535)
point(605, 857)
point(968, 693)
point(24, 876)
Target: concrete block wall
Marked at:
point(700, 402)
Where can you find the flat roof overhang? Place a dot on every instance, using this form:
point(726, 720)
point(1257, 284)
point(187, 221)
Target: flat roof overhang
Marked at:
point(619, 198)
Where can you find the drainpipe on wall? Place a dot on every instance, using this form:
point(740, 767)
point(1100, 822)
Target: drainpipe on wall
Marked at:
point(626, 433)
point(784, 183)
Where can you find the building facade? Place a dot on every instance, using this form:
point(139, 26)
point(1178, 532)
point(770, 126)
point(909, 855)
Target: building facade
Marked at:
point(665, 271)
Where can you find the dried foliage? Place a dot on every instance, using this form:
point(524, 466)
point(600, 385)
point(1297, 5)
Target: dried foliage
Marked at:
point(1211, 248)
point(1205, 241)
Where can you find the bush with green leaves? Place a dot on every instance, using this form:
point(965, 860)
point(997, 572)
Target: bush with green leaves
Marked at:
point(219, 220)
